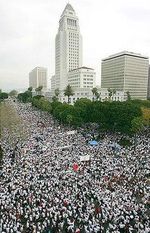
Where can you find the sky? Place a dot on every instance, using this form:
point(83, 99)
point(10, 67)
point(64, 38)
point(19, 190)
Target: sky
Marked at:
point(28, 29)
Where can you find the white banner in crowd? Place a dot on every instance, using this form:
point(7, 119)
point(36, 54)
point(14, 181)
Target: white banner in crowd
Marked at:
point(71, 132)
point(84, 158)
point(63, 147)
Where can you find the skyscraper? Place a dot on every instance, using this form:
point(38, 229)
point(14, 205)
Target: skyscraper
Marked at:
point(126, 71)
point(68, 47)
point(38, 77)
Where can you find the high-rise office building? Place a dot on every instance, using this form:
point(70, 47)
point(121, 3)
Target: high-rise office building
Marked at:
point(38, 77)
point(126, 71)
point(68, 47)
point(53, 86)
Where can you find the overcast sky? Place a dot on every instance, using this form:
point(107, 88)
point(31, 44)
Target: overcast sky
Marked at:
point(28, 29)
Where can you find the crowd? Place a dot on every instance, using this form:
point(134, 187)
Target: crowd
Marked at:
point(41, 193)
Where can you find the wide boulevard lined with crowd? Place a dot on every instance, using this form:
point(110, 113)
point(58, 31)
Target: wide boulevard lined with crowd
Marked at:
point(45, 188)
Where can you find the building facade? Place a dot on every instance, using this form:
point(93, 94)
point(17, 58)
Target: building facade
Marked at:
point(68, 47)
point(53, 85)
point(82, 77)
point(126, 71)
point(38, 77)
point(87, 93)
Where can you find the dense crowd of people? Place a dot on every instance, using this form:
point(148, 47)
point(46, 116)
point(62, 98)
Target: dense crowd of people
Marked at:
point(41, 192)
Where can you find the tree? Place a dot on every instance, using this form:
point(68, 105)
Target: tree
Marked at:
point(38, 90)
point(146, 116)
point(57, 92)
point(97, 112)
point(54, 105)
point(69, 119)
point(128, 96)
point(13, 93)
point(25, 97)
point(110, 93)
point(137, 124)
point(113, 92)
point(68, 92)
point(35, 100)
point(55, 97)
point(94, 90)
point(141, 103)
point(30, 89)
point(95, 93)
point(3, 95)
point(44, 105)
point(83, 105)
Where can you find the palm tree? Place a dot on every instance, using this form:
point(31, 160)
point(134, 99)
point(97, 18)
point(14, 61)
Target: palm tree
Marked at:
point(95, 93)
point(113, 92)
point(68, 92)
point(57, 92)
point(30, 89)
point(29, 92)
point(128, 96)
point(38, 90)
point(110, 93)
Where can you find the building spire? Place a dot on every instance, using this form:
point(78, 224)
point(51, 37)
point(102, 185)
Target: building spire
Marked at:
point(69, 7)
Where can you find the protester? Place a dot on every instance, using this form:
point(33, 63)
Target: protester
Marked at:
point(46, 189)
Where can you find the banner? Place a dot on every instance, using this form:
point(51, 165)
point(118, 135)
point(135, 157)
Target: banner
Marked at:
point(84, 158)
point(71, 132)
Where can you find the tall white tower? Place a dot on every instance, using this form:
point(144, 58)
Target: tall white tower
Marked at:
point(68, 47)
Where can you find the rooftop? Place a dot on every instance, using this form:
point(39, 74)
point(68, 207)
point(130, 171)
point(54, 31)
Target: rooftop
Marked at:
point(82, 67)
point(123, 53)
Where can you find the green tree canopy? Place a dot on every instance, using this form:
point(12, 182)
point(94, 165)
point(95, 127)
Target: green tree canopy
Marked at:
point(39, 90)
point(84, 108)
point(124, 117)
point(13, 93)
point(30, 88)
point(25, 97)
point(137, 124)
point(54, 98)
point(3, 95)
